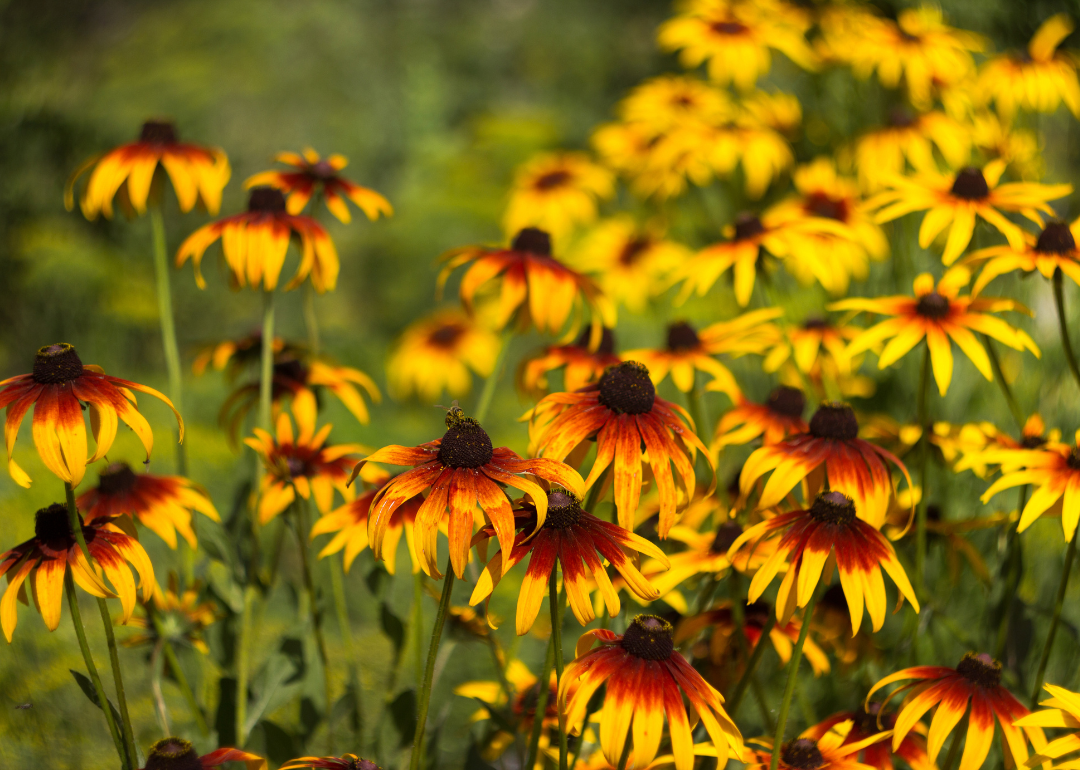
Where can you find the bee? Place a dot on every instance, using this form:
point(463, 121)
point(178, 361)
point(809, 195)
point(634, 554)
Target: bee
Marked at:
point(24, 706)
point(454, 413)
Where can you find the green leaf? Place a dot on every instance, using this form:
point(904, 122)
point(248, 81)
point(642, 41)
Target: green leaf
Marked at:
point(88, 690)
point(403, 711)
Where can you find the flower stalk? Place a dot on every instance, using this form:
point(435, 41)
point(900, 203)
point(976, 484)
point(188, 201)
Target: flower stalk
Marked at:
point(1059, 302)
point(429, 668)
point(793, 677)
point(558, 612)
point(167, 320)
point(1059, 603)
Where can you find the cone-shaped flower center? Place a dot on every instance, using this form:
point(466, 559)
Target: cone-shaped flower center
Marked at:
point(815, 323)
point(526, 702)
point(901, 118)
point(607, 341)
point(57, 364)
point(1056, 238)
point(173, 754)
point(819, 204)
point(726, 534)
point(833, 508)
point(681, 337)
point(564, 509)
point(268, 199)
point(790, 402)
point(866, 719)
point(446, 336)
point(117, 479)
point(970, 184)
point(323, 170)
point(1032, 441)
point(291, 369)
point(552, 179)
point(52, 524)
point(932, 305)
point(649, 637)
point(835, 420)
point(757, 614)
point(729, 27)
point(627, 389)
point(532, 240)
point(834, 598)
point(362, 764)
point(158, 132)
point(633, 250)
point(803, 754)
point(465, 444)
point(980, 669)
point(747, 225)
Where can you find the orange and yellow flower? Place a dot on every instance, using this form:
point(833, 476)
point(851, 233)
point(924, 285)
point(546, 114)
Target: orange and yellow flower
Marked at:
point(344, 762)
point(187, 617)
point(1053, 249)
point(828, 752)
point(580, 365)
point(440, 352)
point(557, 193)
point(779, 417)
point(1062, 709)
point(177, 752)
point(909, 140)
point(879, 755)
point(814, 345)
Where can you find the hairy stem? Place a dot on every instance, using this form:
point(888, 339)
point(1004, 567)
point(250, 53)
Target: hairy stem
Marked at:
point(751, 666)
point(178, 673)
point(345, 628)
point(301, 528)
point(999, 376)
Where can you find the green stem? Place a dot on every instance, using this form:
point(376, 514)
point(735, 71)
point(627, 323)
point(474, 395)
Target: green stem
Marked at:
point(793, 677)
point(168, 326)
point(558, 612)
point(301, 528)
point(178, 673)
point(429, 669)
point(345, 627)
point(924, 457)
point(1070, 553)
point(266, 370)
point(483, 404)
point(1010, 399)
point(311, 318)
point(954, 749)
point(751, 666)
point(418, 626)
point(1059, 301)
point(544, 690)
point(156, 666)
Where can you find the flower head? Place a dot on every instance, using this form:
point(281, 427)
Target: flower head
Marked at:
point(1053, 249)
point(1062, 709)
point(183, 617)
point(909, 139)
point(557, 193)
point(779, 417)
point(811, 751)
point(344, 762)
point(581, 366)
point(439, 353)
point(179, 754)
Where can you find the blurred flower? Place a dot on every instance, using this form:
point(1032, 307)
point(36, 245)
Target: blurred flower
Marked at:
point(573, 538)
point(164, 504)
point(938, 314)
point(57, 389)
point(235, 357)
point(829, 752)
point(179, 753)
point(829, 527)
point(889, 433)
point(557, 193)
point(814, 340)
point(130, 171)
point(909, 139)
point(645, 678)
point(53, 548)
point(1038, 81)
point(344, 762)
point(831, 623)
point(183, 617)
point(462, 472)
point(580, 366)
point(439, 353)
point(1053, 249)
point(1062, 709)
point(953, 201)
point(978, 678)
point(779, 111)
point(879, 754)
point(779, 417)
point(255, 244)
point(1017, 147)
point(313, 175)
point(983, 446)
point(624, 414)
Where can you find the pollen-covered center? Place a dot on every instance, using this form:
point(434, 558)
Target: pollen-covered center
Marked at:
point(835, 420)
point(158, 132)
point(833, 508)
point(117, 479)
point(173, 754)
point(52, 523)
point(1056, 238)
point(747, 226)
point(532, 240)
point(726, 534)
point(980, 669)
point(786, 401)
point(803, 754)
point(819, 204)
point(649, 637)
point(465, 444)
point(932, 305)
point(564, 509)
point(970, 184)
point(57, 364)
point(681, 336)
point(627, 389)
point(266, 199)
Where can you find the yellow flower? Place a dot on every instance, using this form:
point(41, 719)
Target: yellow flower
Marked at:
point(779, 111)
point(1054, 249)
point(1018, 147)
point(439, 353)
point(580, 365)
point(886, 152)
point(184, 617)
point(676, 102)
point(557, 193)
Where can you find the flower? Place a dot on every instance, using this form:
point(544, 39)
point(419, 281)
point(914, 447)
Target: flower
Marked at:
point(537, 287)
point(984, 447)
point(53, 548)
point(1038, 81)
point(198, 174)
point(344, 762)
point(645, 678)
point(462, 471)
point(300, 463)
point(313, 175)
point(1018, 147)
point(255, 244)
point(815, 343)
point(938, 314)
point(439, 353)
point(829, 527)
point(953, 200)
point(57, 388)
point(734, 38)
point(163, 504)
point(779, 417)
point(623, 411)
point(830, 449)
point(976, 678)
point(1054, 249)
point(184, 617)
point(557, 193)
point(1062, 710)
point(580, 365)
point(829, 752)
point(179, 754)
point(909, 139)
point(573, 538)
point(879, 755)
point(234, 357)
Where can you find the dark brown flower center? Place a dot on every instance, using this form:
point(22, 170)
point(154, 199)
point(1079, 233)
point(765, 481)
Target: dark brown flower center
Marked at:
point(933, 512)
point(633, 249)
point(291, 369)
point(649, 637)
point(173, 754)
point(323, 170)
point(866, 719)
point(532, 240)
point(834, 598)
point(1074, 459)
point(835, 420)
point(682, 337)
point(52, 524)
point(819, 204)
point(117, 479)
point(980, 669)
point(787, 401)
point(802, 754)
point(932, 305)
point(298, 467)
point(1056, 238)
point(815, 324)
point(833, 508)
point(747, 225)
point(901, 118)
point(266, 199)
point(970, 184)
point(726, 534)
point(607, 341)
point(1032, 441)
point(564, 509)
point(627, 389)
point(158, 132)
point(757, 614)
point(447, 335)
point(465, 444)
point(526, 702)
point(57, 364)
point(729, 27)
point(552, 179)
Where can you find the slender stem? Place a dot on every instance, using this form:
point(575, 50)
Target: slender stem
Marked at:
point(793, 677)
point(483, 404)
point(1059, 301)
point(429, 669)
point(558, 612)
point(924, 457)
point(103, 701)
point(301, 529)
point(1010, 399)
point(418, 626)
point(155, 687)
point(168, 326)
point(751, 666)
point(178, 673)
point(954, 750)
point(625, 754)
point(544, 690)
point(266, 371)
point(345, 627)
point(1070, 553)
point(311, 318)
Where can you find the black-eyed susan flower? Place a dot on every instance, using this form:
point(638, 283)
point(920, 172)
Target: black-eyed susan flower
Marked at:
point(179, 754)
point(646, 678)
point(870, 722)
point(1018, 147)
point(773, 421)
point(539, 289)
point(983, 447)
point(255, 244)
point(557, 193)
point(977, 678)
point(938, 314)
point(241, 356)
point(953, 200)
point(463, 473)
point(580, 365)
point(808, 538)
point(45, 558)
point(777, 110)
point(198, 174)
point(164, 504)
point(301, 463)
point(344, 762)
point(57, 388)
point(909, 139)
point(439, 353)
point(1061, 709)
point(830, 451)
point(577, 541)
point(624, 414)
point(829, 752)
point(1038, 80)
point(1053, 249)
point(184, 617)
point(816, 342)
point(314, 175)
